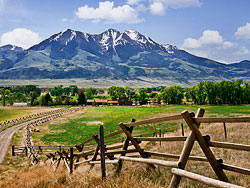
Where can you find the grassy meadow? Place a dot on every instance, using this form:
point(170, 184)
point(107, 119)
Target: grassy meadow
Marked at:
point(11, 112)
point(77, 128)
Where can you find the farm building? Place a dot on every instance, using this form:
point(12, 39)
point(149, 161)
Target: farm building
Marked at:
point(20, 104)
point(101, 102)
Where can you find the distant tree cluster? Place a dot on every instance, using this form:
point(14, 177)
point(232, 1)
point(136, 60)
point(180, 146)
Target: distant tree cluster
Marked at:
point(224, 92)
point(20, 94)
point(205, 92)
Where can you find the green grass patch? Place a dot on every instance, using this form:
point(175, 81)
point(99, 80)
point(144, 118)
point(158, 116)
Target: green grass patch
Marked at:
point(77, 130)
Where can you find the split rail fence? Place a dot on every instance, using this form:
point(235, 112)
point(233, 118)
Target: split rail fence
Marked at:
point(104, 154)
point(32, 151)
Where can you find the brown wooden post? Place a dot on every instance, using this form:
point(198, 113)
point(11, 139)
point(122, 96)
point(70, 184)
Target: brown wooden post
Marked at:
point(102, 150)
point(71, 159)
point(182, 129)
point(225, 130)
point(26, 151)
point(188, 145)
point(160, 135)
point(125, 148)
point(135, 143)
point(95, 137)
point(205, 148)
point(13, 150)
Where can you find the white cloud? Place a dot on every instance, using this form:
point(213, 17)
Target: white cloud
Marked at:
point(191, 43)
point(157, 8)
point(242, 51)
point(134, 2)
point(209, 38)
point(210, 45)
point(182, 3)
point(243, 32)
point(21, 37)
point(228, 44)
point(107, 12)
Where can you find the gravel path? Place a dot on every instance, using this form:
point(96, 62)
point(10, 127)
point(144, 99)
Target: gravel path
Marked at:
point(5, 139)
point(6, 135)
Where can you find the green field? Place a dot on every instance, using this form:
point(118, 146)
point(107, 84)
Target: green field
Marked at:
point(75, 130)
point(12, 113)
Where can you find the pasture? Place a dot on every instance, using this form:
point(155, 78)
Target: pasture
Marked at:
point(74, 129)
point(10, 112)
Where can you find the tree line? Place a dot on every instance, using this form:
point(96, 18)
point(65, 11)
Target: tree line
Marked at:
point(205, 92)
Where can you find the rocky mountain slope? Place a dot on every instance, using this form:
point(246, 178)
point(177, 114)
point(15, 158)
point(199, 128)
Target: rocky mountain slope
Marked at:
point(111, 55)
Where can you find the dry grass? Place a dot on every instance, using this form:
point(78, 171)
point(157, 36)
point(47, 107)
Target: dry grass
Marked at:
point(137, 175)
point(12, 112)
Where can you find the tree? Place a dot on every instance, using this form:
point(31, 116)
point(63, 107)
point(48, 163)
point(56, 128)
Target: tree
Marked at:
point(116, 92)
point(45, 100)
point(66, 91)
point(74, 90)
point(33, 97)
point(130, 93)
point(4, 94)
point(143, 96)
point(32, 88)
point(172, 94)
point(81, 98)
point(89, 94)
point(57, 91)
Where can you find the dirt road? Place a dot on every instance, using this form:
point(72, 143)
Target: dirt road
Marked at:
point(6, 135)
point(5, 139)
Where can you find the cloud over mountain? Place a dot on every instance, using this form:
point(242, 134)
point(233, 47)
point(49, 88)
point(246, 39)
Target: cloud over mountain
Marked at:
point(21, 37)
point(243, 32)
point(109, 13)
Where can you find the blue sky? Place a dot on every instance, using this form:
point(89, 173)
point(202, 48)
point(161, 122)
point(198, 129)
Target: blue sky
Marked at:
point(217, 29)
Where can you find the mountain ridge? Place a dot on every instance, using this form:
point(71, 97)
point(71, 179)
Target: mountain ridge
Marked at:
point(112, 55)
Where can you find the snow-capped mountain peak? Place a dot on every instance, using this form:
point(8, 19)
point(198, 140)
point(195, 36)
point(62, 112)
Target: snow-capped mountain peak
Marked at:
point(170, 48)
point(11, 47)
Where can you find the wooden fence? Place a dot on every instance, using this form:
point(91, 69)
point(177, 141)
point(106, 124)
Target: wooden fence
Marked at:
point(33, 151)
point(109, 154)
point(29, 117)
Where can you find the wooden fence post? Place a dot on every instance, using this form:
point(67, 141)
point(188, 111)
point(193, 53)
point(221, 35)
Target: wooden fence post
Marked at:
point(26, 151)
point(160, 135)
point(182, 129)
point(71, 159)
point(13, 150)
point(205, 148)
point(188, 145)
point(102, 150)
point(225, 130)
point(125, 147)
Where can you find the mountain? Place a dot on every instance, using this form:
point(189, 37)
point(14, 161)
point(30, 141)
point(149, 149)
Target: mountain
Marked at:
point(111, 55)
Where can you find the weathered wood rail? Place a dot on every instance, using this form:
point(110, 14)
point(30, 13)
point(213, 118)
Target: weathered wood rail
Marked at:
point(118, 153)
